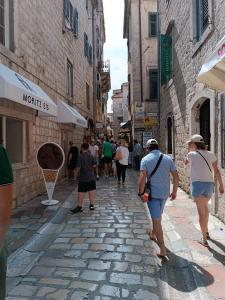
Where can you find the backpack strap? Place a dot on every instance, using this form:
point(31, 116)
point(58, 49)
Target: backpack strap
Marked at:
point(157, 165)
point(204, 160)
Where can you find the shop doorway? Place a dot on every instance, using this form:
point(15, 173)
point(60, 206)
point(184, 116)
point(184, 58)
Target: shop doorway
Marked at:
point(204, 119)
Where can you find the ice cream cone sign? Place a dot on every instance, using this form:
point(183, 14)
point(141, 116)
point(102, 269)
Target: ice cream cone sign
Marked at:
point(50, 158)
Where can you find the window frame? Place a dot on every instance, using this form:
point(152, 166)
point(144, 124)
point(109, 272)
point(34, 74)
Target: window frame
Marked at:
point(4, 119)
point(150, 34)
point(6, 24)
point(88, 102)
point(152, 71)
point(197, 42)
point(69, 78)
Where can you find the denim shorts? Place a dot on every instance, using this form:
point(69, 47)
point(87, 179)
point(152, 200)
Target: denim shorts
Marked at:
point(156, 207)
point(202, 189)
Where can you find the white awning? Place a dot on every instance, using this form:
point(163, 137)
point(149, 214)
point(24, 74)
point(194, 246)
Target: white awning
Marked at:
point(213, 71)
point(68, 114)
point(17, 88)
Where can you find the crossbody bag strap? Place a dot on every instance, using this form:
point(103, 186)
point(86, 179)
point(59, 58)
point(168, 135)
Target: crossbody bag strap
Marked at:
point(205, 160)
point(157, 165)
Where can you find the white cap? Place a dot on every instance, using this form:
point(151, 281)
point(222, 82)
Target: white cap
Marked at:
point(151, 142)
point(196, 138)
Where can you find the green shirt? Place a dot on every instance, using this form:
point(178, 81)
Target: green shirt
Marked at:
point(6, 174)
point(107, 149)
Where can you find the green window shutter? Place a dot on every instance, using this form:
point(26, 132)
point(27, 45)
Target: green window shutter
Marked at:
point(166, 58)
point(152, 24)
point(76, 23)
point(153, 85)
point(66, 8)
point(90, 54)
point(86, 47)
point(197, 11)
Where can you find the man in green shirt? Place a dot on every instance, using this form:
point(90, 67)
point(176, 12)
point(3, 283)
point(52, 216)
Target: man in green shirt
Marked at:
point(6, 181)
point(107, 151)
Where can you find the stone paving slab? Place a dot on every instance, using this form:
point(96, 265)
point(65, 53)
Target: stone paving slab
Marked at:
point(96, 254)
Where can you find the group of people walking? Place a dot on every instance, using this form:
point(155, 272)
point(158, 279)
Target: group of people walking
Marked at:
point(156, 168)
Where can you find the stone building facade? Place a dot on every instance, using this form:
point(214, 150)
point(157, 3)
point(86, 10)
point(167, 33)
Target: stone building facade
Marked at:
point(189, 32)
point(53, 47)
point(140, 30)
point(120, 109)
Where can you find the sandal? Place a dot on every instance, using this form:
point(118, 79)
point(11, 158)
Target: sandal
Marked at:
point(208, 236)
point(204, 243)
point(164, 258)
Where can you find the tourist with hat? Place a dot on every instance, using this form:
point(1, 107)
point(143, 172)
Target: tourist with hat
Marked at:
point(203, 164)
point(156, 168)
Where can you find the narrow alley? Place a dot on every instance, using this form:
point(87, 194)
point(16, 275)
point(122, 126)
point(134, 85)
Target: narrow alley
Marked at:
point(107, 254)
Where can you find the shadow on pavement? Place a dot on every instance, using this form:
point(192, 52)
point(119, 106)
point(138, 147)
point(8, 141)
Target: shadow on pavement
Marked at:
point(184, 275)
point(218, 256)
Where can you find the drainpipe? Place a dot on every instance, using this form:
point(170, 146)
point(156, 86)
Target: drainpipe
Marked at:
point(140, 49)
point(159, 63)
point(94, 69)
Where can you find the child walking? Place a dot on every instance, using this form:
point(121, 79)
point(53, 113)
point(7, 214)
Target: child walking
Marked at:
point(85, 165)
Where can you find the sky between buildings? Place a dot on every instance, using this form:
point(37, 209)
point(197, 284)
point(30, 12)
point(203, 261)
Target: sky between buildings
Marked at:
point(115, 47)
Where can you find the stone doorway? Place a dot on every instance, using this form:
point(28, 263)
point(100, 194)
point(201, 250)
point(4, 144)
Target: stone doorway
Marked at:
point(204, 122)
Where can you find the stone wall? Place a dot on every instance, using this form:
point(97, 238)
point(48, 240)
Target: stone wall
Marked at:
point(182, 96)
point(42, 48)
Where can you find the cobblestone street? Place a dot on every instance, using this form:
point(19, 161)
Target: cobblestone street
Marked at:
point(106, 254)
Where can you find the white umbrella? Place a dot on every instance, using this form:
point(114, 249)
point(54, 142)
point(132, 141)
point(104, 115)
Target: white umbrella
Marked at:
point(213, 71)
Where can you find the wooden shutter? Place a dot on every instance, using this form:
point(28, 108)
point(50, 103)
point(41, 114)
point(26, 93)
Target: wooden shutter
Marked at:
point(76, 23)
point(197, 20)
point(66, 4)
point(152, 24)
point(90, 54)
point(166, 58)
point(153, 85)
point(204, 15)
point(86, 46)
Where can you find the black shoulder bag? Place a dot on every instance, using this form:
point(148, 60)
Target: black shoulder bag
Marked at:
point(153, 172)
point(205, 161)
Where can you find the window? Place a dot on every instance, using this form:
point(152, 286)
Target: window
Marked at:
point(88, 95)
point(69, 79)
point(202, 17)
point(68, 14)
point(166, 59)
point(98, 92)
point(153, 85)
point(4, 23)
point(169, 135)
point(76, 23)
point(87, 2)
point(86, 45)
point(152, 24)
point(12, 134)
point(90, 54)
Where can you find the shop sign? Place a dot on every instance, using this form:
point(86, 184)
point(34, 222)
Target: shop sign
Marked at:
point(147, 135)
point(139, 110)
point(150, 121)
